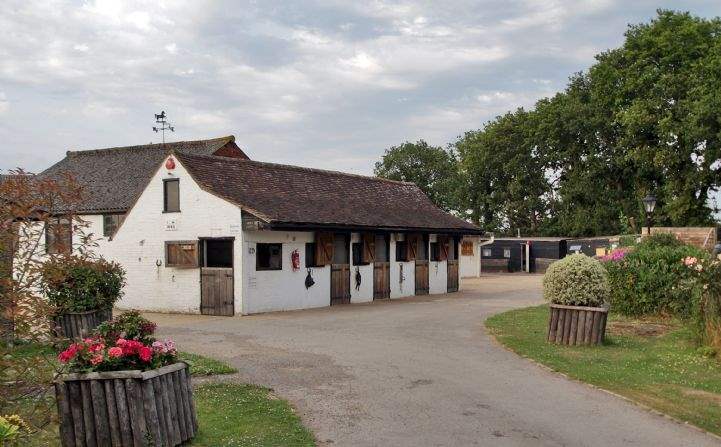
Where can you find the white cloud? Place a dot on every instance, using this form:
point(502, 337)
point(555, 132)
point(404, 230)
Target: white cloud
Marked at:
point(329, 84)
point(4, 103)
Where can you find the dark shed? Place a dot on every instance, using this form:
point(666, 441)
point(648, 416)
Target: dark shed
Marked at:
point(508, 254)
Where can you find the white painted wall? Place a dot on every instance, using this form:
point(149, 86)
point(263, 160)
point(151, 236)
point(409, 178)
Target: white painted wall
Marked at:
point(437, 273)
point(470, 266)
point(139, 244)
point(271, 290)
point(365, 291)
point(406, 287)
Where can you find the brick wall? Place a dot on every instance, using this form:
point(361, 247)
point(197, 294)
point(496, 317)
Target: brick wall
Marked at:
point(702, 237)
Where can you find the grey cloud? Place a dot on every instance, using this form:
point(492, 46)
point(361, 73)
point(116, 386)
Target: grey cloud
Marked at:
point(317, 83)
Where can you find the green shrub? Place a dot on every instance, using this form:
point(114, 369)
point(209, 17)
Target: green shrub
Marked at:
point(627, 240)
point(76, 284)
point(661, 240)
point(652, 279)
point(576, 280)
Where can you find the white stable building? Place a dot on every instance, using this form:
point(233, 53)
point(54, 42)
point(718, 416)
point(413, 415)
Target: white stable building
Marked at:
point(201, 228)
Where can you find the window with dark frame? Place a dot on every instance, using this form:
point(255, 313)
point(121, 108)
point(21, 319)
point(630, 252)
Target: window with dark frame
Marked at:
point(402, 251)
point(171, 195)
point(269, 257)
point(58, 236)
point(310, 260)
point(111, 223)
point(435, 251)
point(357, 250)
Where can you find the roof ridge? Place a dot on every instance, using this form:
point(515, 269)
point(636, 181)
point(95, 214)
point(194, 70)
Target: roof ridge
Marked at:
point(167, 146)
point(301, 168)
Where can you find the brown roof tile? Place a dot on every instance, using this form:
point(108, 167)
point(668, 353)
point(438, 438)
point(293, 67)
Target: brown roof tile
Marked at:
point(114, 177)
point(292, 195)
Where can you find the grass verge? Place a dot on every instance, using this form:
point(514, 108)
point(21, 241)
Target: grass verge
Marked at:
point(661, 369)
point(205, 366)
point(246, 415)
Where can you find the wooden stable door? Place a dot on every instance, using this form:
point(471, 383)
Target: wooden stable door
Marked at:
point(421, 277)
point(381, 280)
point(453, 275)
point(216, 291)
point(339, 284)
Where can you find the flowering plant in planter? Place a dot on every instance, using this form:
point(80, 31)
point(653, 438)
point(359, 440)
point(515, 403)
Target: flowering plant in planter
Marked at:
point(124, 343)
point(124, 387)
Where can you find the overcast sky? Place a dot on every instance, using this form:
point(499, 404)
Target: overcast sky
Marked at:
point(328, 84)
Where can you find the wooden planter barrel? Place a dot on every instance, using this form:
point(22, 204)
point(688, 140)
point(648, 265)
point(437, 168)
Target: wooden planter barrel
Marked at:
point(79, 324)
point(577, 325)
point(127, 408)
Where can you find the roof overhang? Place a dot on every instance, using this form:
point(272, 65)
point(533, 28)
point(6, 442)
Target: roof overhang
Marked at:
point(308, 226)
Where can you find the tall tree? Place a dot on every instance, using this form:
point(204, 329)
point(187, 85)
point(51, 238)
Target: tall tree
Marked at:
point(432, 168)
point(504, 183)
point(661, 89)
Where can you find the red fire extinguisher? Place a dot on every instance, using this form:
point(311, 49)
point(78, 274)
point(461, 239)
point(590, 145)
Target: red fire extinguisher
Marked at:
point(295, 260)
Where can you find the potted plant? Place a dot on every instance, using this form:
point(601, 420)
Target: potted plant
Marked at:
point(123, 387)
point(82, 292)
point(577, 288)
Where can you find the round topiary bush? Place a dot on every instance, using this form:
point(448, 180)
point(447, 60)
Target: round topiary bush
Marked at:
point(576, 280)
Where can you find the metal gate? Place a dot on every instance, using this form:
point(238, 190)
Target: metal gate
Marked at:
point(216, 291)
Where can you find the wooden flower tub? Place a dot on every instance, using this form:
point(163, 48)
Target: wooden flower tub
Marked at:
point(577, 325)
point(79, 324)
point(127, 408)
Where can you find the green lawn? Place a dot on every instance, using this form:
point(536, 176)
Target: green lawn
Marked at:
point(205, 366)
point(246, 415)
point(229, 414)
point(662, 368)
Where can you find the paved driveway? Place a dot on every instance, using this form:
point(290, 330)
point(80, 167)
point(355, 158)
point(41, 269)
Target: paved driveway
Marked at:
point(421, 372)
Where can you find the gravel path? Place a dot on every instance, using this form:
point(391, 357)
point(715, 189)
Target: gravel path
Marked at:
point(421, 372)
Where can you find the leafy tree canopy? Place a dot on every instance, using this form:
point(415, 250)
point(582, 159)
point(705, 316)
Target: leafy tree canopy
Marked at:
point(432, 168)
point(645, 118)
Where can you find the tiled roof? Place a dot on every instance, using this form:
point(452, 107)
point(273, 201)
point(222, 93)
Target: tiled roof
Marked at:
point(291, 196)
point(114, 177)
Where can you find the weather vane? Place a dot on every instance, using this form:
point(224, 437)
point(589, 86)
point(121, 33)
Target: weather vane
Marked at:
point(164, 125)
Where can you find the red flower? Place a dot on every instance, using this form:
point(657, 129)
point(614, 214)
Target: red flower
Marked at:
point(69, 353)
point(115, 352)
point(145, 353)
point(96, 359)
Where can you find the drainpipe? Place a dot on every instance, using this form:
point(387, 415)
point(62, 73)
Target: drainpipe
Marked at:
point(491, 239)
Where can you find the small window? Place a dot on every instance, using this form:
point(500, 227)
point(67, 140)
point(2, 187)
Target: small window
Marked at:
point(310, 255)
point(402, 251)
point(486, 253)
point(506, 252)
point(171, 195)
point(111, 223)
point(268, 257)
point(357, 249)
point(182, 254)
point(467, 248)
point(435, 251)
point(58, 236)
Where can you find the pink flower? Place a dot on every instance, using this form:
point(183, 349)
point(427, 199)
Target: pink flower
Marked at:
point(96, 347)
point(115, 352)
point(145, 353)
point(689, 261)
point(97, 359)
point(69, 353)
